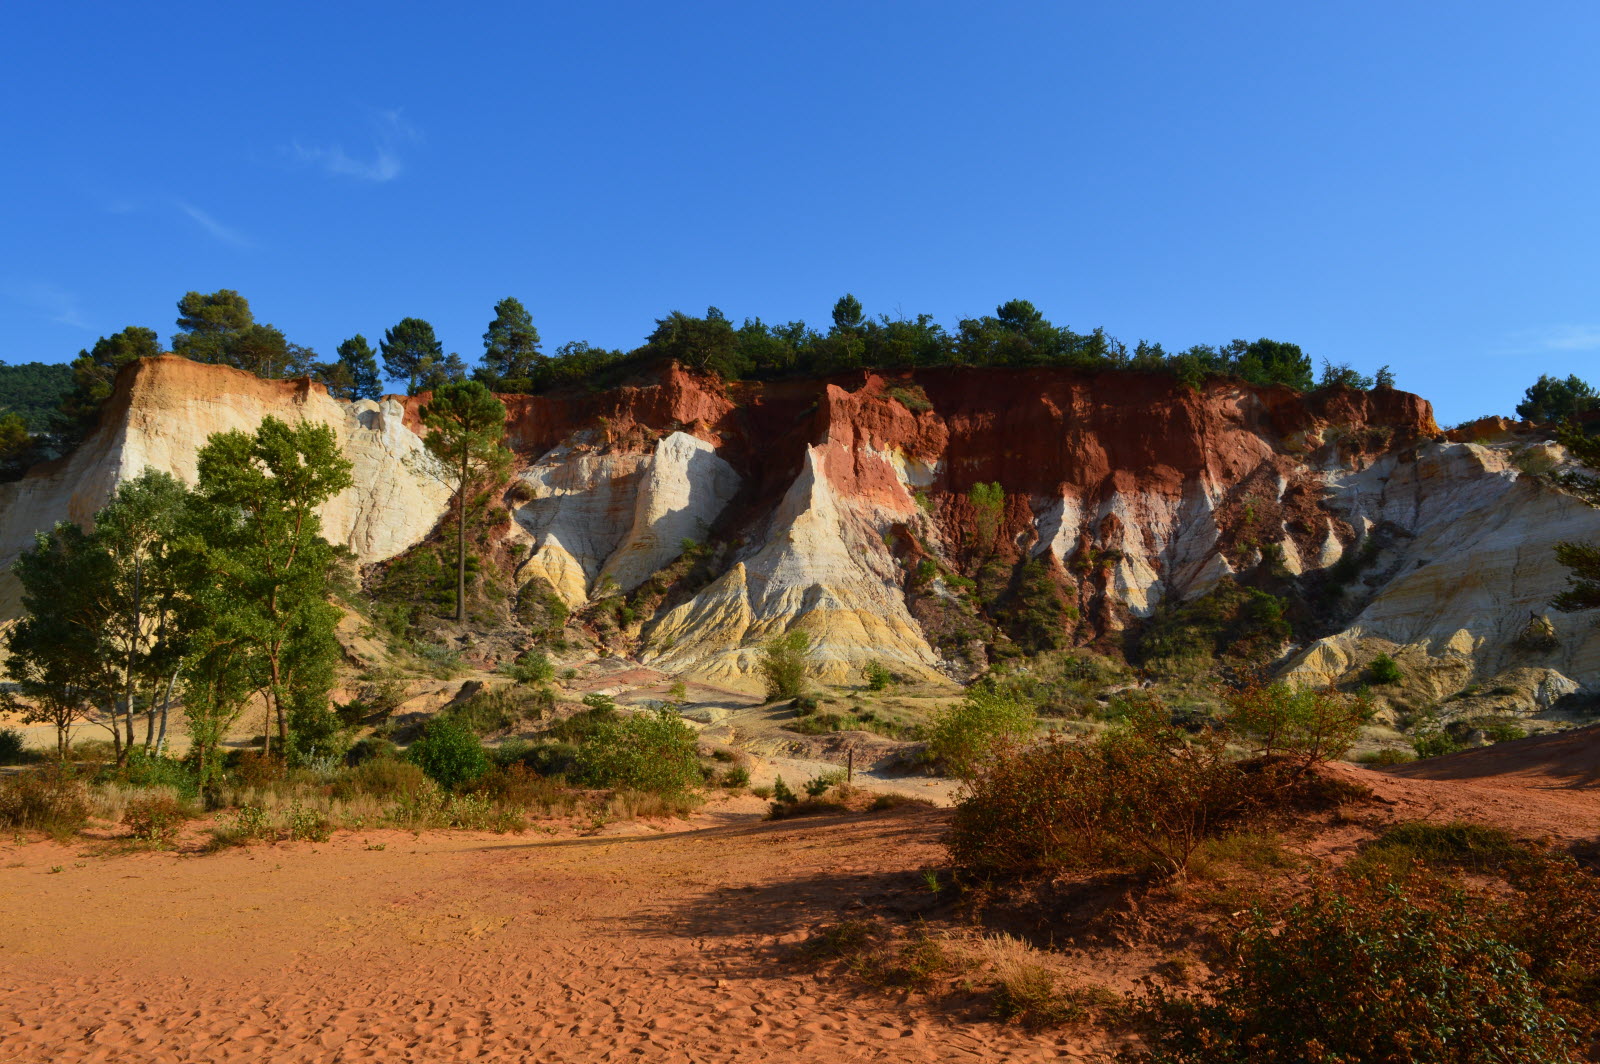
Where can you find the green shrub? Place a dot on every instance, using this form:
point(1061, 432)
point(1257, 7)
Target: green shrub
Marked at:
point(1386, 756)
point(530, 668)
point(877, 675)
point(781, 792)
point(736, 777)
point(817, 786)
point(653, 752)
point(449, 753)
point(12, 749)
point(51, 800)
point(1310, 725)
point(147, 770)
point(308, 825)
point(784, 660)
point(1503, 731)
point(1384, 670)
point(1435, 744)
point(1391, 974)
point(964, 735)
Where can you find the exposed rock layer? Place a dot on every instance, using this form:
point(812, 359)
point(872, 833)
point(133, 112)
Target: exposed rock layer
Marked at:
point(827, 494)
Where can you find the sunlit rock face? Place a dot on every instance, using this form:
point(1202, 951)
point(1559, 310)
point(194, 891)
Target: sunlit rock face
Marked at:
point(824, 497)
point(159, 418)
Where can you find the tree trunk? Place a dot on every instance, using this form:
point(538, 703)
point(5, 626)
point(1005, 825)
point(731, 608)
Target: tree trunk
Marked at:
point(166, 704)
point(461, 540)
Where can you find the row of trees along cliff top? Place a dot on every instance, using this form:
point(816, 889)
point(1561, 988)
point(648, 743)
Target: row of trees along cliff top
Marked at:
point(220, 327)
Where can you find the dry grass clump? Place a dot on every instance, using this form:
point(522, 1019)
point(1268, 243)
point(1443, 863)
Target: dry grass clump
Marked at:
point(51, 799)
point(1029, 991)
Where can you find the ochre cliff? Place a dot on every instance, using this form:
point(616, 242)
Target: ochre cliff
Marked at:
point(825, 497)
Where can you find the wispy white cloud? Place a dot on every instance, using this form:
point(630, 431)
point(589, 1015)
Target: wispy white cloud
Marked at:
point(380, 162)
point(213, 227)
point(55, 303)
point(1572, 338)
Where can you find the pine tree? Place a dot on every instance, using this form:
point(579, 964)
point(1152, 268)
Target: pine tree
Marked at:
point(410, 351)
point(466, 425)
point(510, 347)
point(357, 357)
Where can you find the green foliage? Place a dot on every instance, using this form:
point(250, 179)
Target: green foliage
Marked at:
point(95, 370)
point(877, 675)
point(1310, 725)
point(355, 374)
point(1435, 743)
point(653, 752)
point(510, 348)
point(1384, 670)
point(466, 426)
point(1385, 974)
point(12, 749)
point(1553, 399)
point(1455, 846)
point(33, 391)
point(1343, 376)
point(988, 507)
point(781, 792)
point(259, 574)
point(410, 352)
point(1230, 621)
point(219, 327)
point(449, 753)
point(784, 660)
point(531, 667)
point(964, 736)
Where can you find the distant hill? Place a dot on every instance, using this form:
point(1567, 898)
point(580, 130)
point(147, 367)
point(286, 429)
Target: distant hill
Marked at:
point(34, 390)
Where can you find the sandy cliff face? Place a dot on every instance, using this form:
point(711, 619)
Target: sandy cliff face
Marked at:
point(828, 496)
point(162, 413)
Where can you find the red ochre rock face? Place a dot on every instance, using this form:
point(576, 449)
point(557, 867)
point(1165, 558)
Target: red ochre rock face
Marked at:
point(829, 495)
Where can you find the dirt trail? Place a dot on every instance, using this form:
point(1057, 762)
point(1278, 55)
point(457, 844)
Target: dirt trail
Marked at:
point(445, 948)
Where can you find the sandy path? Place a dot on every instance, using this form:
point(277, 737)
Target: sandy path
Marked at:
point(446, 948)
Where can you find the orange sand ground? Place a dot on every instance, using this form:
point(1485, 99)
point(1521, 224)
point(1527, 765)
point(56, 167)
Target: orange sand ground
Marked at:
point(655, 947)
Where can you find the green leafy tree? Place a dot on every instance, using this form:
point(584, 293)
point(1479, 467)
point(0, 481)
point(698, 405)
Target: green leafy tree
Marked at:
point(1343, 375)
point(16, 445)
point(95, 370)
point(510, 348)
point(34, 390)
point(144, 605)
point(466, 425)
point(708, 344)
point(263, 568)
point(1384, 378)
point(55, 654)
point(1270, 362)
point(1552, 399)
point(410, 351)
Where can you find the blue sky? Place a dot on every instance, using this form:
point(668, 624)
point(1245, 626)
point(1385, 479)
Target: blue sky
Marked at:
point(1406, 183)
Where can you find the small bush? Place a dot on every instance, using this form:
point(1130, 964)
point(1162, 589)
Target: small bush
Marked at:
point(51, 800)
point(383, 779)
point(781, 792)
point(12, 748)
point(1384, 670)
point(817, 786)
point(146, 770)
point(531, 668)
point(736, 777)
point(249, 824)
point(1435, 744)
point(655, 752)
point(894, 800)
point(449, 753)
point(155, 817)
point(877, 675)
point(1309, 725)
point(783, 665)
point(308, 825)
point(963, 736)
point(1386, 756)
point(1392, 974)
